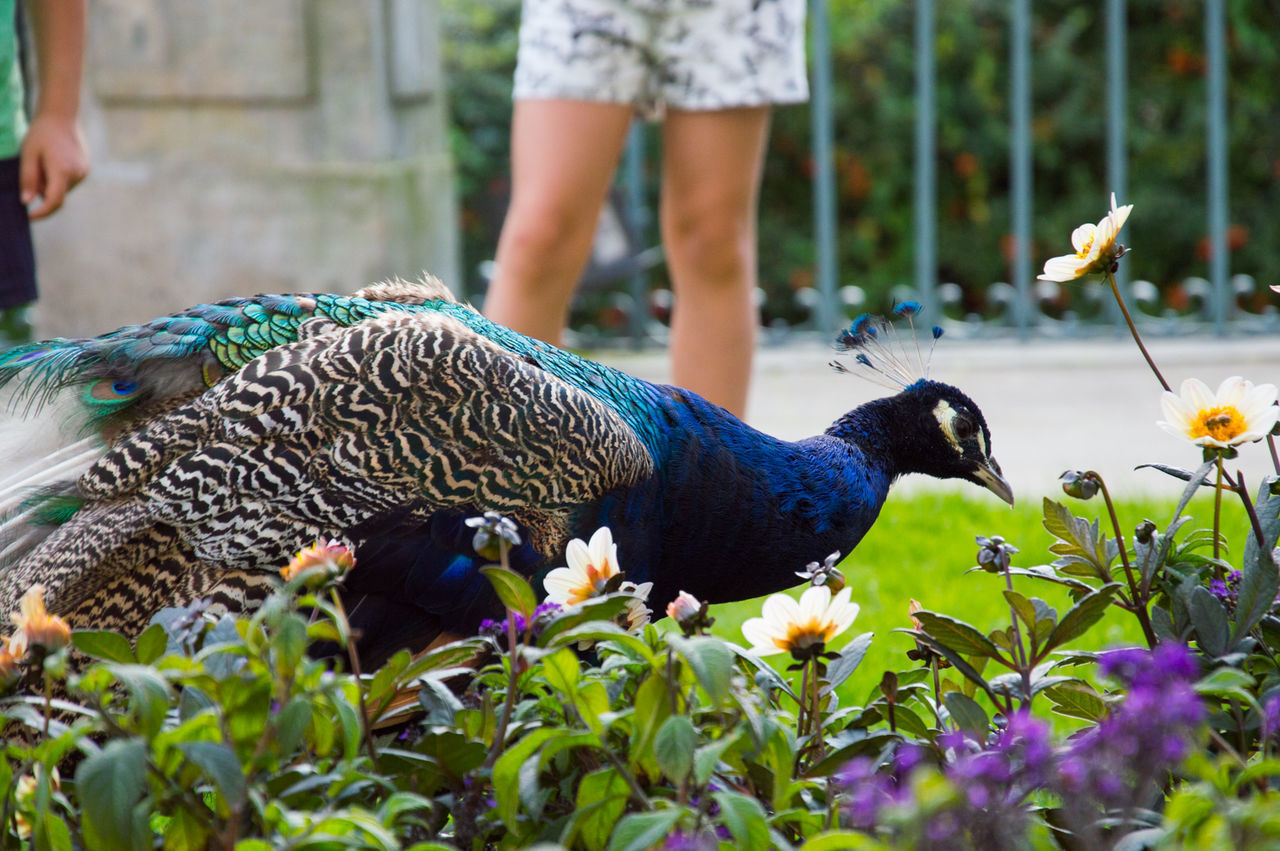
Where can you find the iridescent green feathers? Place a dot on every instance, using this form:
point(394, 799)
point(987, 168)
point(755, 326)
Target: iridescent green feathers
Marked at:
point(177, 356)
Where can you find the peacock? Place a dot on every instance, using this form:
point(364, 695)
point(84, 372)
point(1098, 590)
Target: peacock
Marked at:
point(189, 457)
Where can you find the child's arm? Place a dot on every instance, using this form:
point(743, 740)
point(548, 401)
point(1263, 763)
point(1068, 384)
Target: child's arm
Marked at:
point(54, 155)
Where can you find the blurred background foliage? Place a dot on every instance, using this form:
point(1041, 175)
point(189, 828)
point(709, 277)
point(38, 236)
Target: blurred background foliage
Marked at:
point(873, 56)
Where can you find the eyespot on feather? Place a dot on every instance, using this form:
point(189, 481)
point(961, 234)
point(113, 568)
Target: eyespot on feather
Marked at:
point(111, 392)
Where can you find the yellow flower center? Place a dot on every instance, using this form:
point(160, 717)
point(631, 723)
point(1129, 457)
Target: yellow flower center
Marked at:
point(1222, 423)
point(1084, 249)
point(596, 580)
point(801, 634)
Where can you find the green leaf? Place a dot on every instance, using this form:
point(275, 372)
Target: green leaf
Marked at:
point(839, 669)
point(1224, 681)
point(959, 663)
point(673, 747)
point(111, 784)
point(462, 653)
point(1077, 700)
point(1023, 607)
point(51, 832)
point(148, 694)
point(764, 671)
point(745, 819)
point(596, 632)
point(1079, 543)
point(512, 589)
point(291, 723)
point(652, 707)
point(967, 714)
point(506, 772)
point(711, 661)
point(602, 798)
point(640, 831)
point(562, 670)
point(103, 644)
point(219, 763)
point(1162, 624)
point(906, 719)
point(956, 634)
point(1080, 617)
point(1209, 617)
point(708, 756)
point(152, 644)
point(1267, 507)
point(184, 832)
point(598, 611)
point(1194, 482)
point(1259, 585)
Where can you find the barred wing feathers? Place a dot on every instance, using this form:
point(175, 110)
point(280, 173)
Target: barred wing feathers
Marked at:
point(404, 413)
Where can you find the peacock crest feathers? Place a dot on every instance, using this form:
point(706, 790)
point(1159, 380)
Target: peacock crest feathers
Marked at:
point(881, 354)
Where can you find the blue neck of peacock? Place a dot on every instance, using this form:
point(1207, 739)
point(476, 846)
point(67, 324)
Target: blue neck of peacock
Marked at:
point(737, 512)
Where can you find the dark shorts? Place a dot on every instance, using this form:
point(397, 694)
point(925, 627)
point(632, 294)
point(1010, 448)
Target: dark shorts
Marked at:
point(17, 258)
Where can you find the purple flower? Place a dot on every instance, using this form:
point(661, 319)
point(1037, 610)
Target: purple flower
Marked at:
point(681, 841)
point(1271, 716)
point(1127, 757)
point(1228, 590)
point(868, 792)
point(498, 629)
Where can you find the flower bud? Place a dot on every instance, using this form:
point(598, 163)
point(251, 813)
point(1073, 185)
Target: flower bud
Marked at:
point(491, 530)
point(689, 613)
point(824, 573)
point(319, 564)
point(994, 554)
point(1079, 485)
point(683, 608)
point(37, 630)
point(1144, 532)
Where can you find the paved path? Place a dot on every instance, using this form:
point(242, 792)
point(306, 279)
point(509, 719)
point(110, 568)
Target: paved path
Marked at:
point(1051, 406)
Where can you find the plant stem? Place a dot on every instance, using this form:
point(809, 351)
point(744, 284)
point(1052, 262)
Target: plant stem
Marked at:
point(1239, 486)
point(815, 714)
point(1023, 668)
point(802, 721)
point(1275, 457)
point(1115, 290)
point(513, 676)
point(1139, 596)
point(937, 690)
point(1217, 518)
point(366, 723)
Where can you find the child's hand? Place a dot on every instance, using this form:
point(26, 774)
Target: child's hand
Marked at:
point(54, 159)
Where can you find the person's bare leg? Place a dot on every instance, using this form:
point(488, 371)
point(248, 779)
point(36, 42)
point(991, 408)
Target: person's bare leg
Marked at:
point(711, 168)
point(563, 154)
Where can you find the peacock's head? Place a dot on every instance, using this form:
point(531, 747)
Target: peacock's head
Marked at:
point(945, 435)
point(932, 427)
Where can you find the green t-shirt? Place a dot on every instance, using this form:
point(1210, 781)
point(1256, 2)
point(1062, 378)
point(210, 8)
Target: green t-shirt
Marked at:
point(13, 121)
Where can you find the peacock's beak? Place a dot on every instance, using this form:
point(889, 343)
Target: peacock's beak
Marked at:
point(989, 476)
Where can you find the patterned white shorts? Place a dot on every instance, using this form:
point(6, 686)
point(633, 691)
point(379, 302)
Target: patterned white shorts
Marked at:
point(682, 54)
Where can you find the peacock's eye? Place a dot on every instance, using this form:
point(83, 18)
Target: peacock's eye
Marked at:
point(965, 428)
point(124, 388)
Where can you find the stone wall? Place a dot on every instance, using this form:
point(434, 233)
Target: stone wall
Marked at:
point(245, 146)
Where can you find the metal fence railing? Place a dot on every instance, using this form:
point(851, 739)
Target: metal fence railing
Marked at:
point(1024, 303)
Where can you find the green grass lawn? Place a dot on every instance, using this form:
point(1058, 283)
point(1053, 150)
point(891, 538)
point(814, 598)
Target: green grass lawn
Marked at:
point(923, 544)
